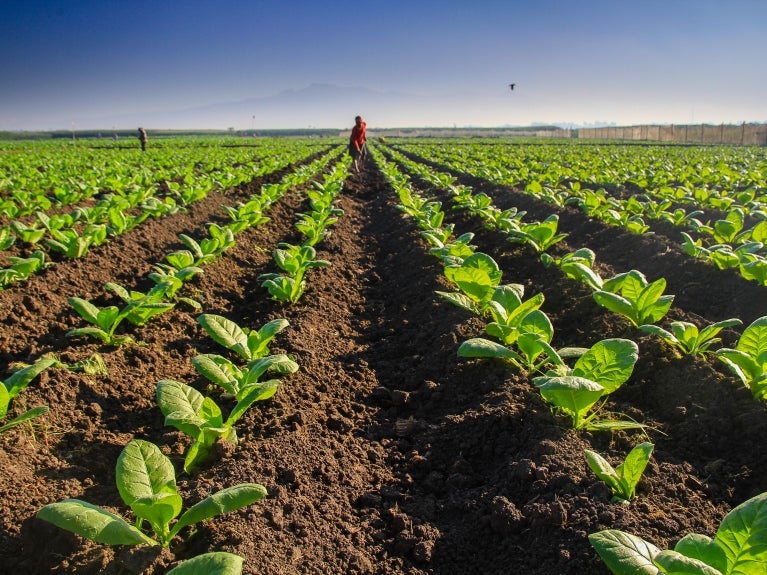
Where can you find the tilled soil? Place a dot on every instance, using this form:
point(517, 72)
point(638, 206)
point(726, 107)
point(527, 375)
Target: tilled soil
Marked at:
point(385, 453)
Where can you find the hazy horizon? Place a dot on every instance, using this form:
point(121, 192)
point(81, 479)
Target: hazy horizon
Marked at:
point(257, 65)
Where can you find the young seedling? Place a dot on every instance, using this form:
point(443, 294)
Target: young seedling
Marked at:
point(687, 338)
point(200, 418)
point(538, 235)
point(748, 360)
point(248, 344)
point(738, 548)
point(146, 482)
point(597, 373)
point(236, 381)
point(577, 265)
point(477, 276)
point(632, 296)
point(622, 480)
point(138, 310)
point(16, 383)
point(518, 324)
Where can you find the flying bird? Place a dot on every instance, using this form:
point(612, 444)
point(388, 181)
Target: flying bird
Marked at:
point(512, 86)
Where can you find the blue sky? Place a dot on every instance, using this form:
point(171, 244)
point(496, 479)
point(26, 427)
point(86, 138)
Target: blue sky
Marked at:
point(109, 63)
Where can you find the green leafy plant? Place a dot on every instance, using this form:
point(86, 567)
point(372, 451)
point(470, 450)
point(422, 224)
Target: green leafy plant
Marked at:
point(538, 235)
point(138, 310)
point(146, 482)
point(622, 479)
point(577, 265)
point(738, 548)
point(748, 361)
point(688, 338)
point(249, 344)
point(525, 332)
point(15, 384)
point(476, 276)
point(214, 563)
point(295, 261)
point(237, 381)
point(598, 372)
point(632, 296)
point(201, 418)
point(22, 268)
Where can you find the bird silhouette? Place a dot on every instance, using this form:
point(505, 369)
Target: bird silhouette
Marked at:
point(512, 86)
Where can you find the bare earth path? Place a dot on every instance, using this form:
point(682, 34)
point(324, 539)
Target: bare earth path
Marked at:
point(385, 453)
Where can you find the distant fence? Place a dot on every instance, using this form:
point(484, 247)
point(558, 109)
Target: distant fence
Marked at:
point(739, 135)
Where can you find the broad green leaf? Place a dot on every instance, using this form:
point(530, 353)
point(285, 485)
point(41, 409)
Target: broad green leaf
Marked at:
point(753, 340)
point(250, 395)
point(604, 471)
point(609, 362)
point(225, 332)
point(704, 549)
point(94, 523)
point(674, 563)
point(143, 472)
point(214, 563)
point(479, 347)
point(218, 370)
point(21, 378)
point(176, 397)
point(86, 309)
point(635, 463)
point(616, 303)
point(224, 501)
point(572, 394)
point(743, 537)
point(624, 553)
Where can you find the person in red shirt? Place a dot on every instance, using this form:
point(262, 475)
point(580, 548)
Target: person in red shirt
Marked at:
point(357, 141)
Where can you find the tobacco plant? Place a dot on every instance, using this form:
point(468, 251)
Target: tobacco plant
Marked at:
point(688, 338)
point(138, 310)
point(146, 482)
point(525, 332)
point(632, 296)
point(477, 276)
point(201, 418)
point(295, 261)
point(577, 265)
point(748, 361)
point(738, 548)
point(538, 235)
point(622, 479)
point(249, 344)
point(235, 380)
point(15, 384)
point(598, 372)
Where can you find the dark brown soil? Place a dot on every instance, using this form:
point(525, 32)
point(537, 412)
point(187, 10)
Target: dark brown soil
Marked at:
point(385, 453)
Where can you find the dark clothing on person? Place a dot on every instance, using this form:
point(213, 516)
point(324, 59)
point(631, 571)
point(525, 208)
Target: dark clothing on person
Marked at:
point(142, 137)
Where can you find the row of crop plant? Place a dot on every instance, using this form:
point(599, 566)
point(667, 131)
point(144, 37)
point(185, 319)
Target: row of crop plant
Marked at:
point(628, 294)
point(580, 392)
point(145, 476)
point(73, 233)
point(735, 239)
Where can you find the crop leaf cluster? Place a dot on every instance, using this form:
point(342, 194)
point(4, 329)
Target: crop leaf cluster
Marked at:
point(146, 482)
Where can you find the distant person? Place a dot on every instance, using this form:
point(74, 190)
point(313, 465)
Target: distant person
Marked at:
point(357, 141)
point(142, 138)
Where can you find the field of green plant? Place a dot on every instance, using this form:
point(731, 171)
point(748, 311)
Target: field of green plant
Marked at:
point(229, 355)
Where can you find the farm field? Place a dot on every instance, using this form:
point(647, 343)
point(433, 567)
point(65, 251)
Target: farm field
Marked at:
point(385, 453)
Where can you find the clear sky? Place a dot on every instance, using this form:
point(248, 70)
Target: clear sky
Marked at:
point(110, 63)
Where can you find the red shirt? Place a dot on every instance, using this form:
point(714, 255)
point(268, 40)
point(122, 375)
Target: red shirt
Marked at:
point(358, 135)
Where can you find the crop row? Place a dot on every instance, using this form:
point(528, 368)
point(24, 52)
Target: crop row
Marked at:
point(732, 235)
point(525, 333)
